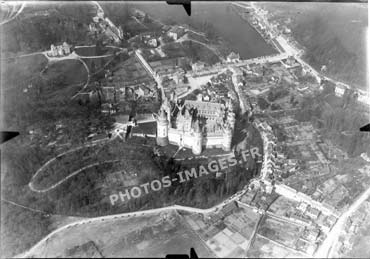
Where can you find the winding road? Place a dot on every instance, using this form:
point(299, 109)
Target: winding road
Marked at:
point(12, 15)
point(44, 166)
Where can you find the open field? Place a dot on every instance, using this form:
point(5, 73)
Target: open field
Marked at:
point(17, 237)
point(145, 236)
point(66, 72)
point(264, 248)
point(279, 231)
point(19, 72)
point(249, 217)
point(30, 87)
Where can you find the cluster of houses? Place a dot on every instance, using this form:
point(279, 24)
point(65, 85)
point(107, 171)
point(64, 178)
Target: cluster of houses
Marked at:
point(105, 25)
point(114, 93)
point(200, 67)
point(272, 167)
point(112, 96)
point(259, 22)
point(168, 67)
point(149, 39)
point(59, 50)
point(214, 93)
point(269, 151)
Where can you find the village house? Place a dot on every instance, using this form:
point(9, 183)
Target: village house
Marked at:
point(152, 42)
point(233, 57)
point(198, 66)
point(176, 32)
point(313, 234)
point(143, 91)
point(313, 213)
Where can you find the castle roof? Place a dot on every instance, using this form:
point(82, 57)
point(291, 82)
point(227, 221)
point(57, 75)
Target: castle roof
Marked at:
point(206, 109)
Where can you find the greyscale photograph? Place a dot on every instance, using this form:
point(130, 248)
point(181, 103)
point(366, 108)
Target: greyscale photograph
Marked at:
point(141, 129)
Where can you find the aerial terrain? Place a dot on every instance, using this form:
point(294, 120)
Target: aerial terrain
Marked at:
point(145, 132)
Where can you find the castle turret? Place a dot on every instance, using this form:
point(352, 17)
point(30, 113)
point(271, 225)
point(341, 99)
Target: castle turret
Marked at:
point(162, 129)
point(173, 97)
point(230, 105)
point(198, 139)
point(166, 106)
point(66, 48)
point(231, 119)
point(228, 134)
point(187, 113)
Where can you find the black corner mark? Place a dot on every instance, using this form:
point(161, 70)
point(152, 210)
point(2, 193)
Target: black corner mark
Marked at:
point(365, 128)
point(185, 3)
point(177, 256)
point(7, 135)
point(193, 255)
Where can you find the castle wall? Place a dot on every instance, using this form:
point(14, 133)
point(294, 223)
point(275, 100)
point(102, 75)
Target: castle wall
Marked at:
point(213, 141)
point(175, 137)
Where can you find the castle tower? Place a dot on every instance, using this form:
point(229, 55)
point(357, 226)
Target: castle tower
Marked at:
point(66, 48)
point(187, 113)
point(230, 105)
point(198, 138)
point(231, 119)
point(53, 50)
point(162, 129)
point(166, 106)
point(227, 136)
point(173, 97)
point(60, 50)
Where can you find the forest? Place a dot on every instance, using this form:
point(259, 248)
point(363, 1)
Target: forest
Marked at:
point(29, 32)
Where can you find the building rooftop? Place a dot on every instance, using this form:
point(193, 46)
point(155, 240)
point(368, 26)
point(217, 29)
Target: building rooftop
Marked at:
point(233, 55)
point(176, 29)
